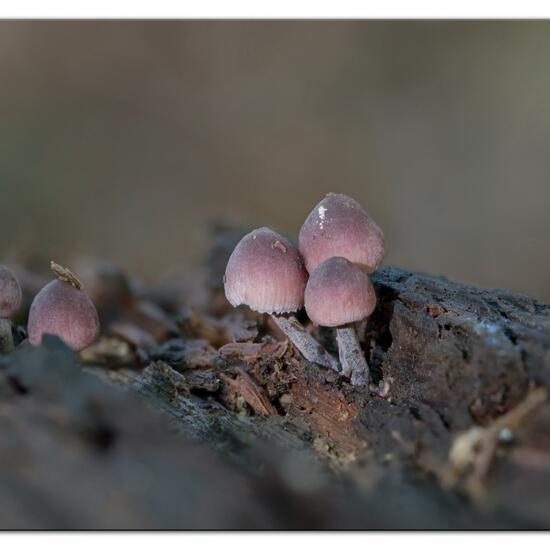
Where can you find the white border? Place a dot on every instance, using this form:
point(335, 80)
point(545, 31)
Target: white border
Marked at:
point(276, 540)
point(296, 9)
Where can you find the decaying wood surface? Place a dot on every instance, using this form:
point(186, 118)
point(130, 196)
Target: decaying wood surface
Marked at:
point(189, 414)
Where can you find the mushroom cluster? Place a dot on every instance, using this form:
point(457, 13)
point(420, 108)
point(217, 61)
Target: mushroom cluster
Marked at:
point(266, 273)
point(327, 273)
point(339, 245)
point(60, 308)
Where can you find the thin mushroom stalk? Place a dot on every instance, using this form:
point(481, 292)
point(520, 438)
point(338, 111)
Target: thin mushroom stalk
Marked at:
point(352, 358)
point(312, 350)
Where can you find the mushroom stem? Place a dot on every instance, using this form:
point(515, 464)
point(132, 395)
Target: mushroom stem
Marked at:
point(354, 364)
point(305, 343)
point(6, 338)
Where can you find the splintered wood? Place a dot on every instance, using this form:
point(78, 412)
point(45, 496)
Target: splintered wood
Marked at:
point(249, 390)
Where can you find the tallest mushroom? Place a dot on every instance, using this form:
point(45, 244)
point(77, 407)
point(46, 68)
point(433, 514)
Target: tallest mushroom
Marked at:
point(340, 243)
point(340, 226)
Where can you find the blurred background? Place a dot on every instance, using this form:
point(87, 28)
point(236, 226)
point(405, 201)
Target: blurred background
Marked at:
point(127, 140)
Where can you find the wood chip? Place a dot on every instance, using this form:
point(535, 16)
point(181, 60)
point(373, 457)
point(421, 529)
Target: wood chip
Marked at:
point(253, 352)
point(253, 394)
point(65, 275)
point(110, 351)
point(472, 452)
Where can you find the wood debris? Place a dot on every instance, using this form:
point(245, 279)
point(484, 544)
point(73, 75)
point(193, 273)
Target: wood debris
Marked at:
point(472, 452)
point(244, 386)
point(251, 352)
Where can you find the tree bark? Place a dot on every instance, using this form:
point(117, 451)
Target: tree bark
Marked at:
point(213, 430)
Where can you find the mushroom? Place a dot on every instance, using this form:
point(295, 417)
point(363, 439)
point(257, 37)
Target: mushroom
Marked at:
point(266, 272)
point(10, 300)
point(62, 308)
point(339, 294)
point(339, 226)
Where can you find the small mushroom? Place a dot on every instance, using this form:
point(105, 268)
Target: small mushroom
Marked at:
point(266, 272)
point(10, 300)
point(339, 226)
point(339, 294)
point(62, 308)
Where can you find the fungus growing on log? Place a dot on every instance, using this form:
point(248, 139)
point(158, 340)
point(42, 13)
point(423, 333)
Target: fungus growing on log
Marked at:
point(266, 273)
point(63, 309)
point(339, 226)
point(338, 294)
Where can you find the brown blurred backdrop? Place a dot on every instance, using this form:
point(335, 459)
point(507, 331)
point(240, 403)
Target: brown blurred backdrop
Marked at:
point(126, 139)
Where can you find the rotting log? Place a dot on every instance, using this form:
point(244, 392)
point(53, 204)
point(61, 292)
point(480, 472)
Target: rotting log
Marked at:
point(223, 424)
point(79, 453)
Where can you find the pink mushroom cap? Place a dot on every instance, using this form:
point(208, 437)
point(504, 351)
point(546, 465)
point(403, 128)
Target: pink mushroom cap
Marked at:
point(339, 226)
point(266, 273)
point(338, 293)
point(65, 311)
point(10, 293)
